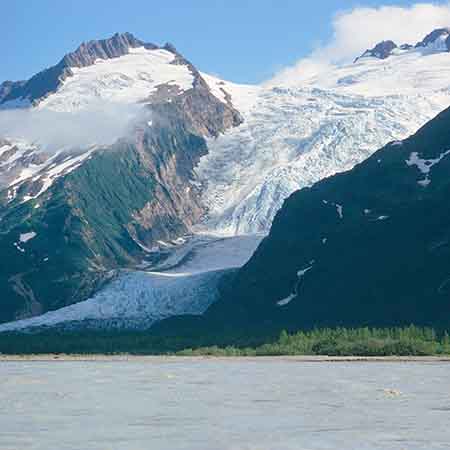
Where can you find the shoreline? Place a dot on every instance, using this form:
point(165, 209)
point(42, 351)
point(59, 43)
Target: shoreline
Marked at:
point(175, 358)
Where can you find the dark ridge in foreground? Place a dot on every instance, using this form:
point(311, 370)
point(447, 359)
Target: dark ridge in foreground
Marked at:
point(367, 247)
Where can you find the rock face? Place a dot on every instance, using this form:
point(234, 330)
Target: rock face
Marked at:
point(366, 247)
point(98, 217)
point(114, 47)
point(9, 86)
point(69, 220)
point(441, 35)
point(438, 40)
point(381, 51)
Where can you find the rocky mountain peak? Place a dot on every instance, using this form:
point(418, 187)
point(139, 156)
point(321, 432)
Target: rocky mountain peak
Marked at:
point(118, 45)
point(439, 38)
point(381, 51)
point(9, 86)
point(438, 41)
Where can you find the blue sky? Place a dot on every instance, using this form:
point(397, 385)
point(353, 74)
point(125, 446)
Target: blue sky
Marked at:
point(244, 41)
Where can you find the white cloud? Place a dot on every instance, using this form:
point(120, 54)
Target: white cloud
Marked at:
point(102, 123)
point(361, 28)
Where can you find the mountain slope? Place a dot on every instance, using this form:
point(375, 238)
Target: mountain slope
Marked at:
point(71, 216)
point(366, 247)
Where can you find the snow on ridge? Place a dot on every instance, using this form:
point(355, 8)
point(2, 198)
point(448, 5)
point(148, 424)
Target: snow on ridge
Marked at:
point(293, 295)
point(243, 97)
point(128, 79)
point(55, 171)
point(425, 165)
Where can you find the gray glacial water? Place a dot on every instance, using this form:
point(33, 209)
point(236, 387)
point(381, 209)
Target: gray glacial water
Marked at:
point(268, 404)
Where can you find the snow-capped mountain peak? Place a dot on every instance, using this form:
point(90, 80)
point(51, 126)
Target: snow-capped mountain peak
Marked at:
point(381, 51)
point(435, 42)
point(122, 65)
point(108, 74)
point(438, 40)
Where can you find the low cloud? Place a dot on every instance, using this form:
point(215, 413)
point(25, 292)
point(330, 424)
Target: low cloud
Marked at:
point(356, 30)
point(102, 123)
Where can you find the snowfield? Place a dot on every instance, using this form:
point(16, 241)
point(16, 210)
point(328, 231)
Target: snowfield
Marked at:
point(129, 79)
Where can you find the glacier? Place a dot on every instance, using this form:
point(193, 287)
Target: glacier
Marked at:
point(186, 282)
point(296, 132)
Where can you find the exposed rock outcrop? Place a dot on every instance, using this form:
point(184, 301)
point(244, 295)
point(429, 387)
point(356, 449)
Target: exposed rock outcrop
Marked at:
point(438, 40)
point(381, 51)
point(440, 34)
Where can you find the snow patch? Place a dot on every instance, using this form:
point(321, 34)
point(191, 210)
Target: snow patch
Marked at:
point(425, 165)
point(27, 237)
point(243, 97)
point(286, 300)
point(300, 275)
point(22, 250)
point(48, 177)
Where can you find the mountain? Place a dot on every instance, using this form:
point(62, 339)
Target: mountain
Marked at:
point(370, 246)
point(71, 217)
point(157, 223)
point(436, 41)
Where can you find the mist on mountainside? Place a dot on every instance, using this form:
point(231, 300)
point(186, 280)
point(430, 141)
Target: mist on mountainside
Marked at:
point(102, 123)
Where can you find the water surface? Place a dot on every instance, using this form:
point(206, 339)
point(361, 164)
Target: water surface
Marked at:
point(162, 404)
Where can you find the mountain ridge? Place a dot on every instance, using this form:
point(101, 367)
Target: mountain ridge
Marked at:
point(437, 40)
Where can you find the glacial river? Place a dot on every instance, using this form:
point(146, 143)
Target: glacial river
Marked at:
point(195, 404)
